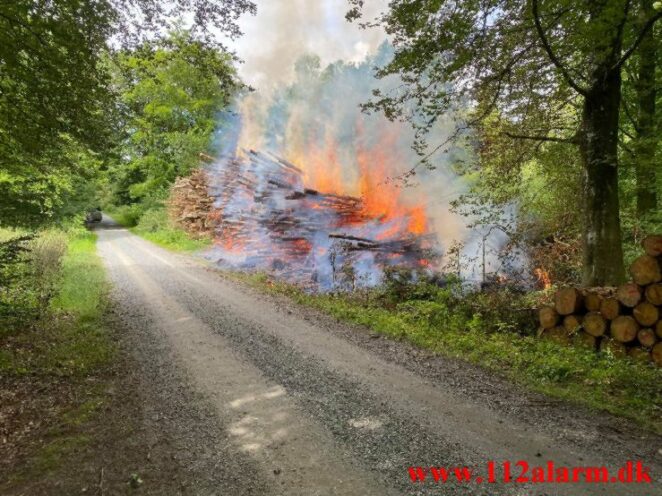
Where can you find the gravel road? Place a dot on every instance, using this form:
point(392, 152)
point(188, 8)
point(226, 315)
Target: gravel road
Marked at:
point(287, 401)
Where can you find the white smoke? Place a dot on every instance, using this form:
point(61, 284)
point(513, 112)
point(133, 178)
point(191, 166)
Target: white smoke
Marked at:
point(284, 30)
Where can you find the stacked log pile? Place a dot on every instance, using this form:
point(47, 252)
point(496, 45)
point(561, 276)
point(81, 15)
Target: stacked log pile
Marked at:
point(270, 220)
point(625, 321)
point(191, 207)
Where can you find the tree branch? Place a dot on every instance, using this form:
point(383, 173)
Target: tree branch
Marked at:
point(572, 140)
point(552, 56)
point(626, 55)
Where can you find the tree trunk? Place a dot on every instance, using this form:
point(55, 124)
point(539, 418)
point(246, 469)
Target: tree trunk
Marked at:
point(646, 142)
point(603, 252)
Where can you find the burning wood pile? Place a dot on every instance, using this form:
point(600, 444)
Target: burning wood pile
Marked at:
point(270, 220)
point(626, 320)
point(191, 207)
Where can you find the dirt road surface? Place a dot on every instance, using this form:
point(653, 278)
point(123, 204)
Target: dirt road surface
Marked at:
point(262, 397)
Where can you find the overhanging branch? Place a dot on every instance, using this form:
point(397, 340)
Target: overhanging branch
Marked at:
point(626, 55)
point(552, 56)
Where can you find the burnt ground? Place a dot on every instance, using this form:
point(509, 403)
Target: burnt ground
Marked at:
point(222, 390)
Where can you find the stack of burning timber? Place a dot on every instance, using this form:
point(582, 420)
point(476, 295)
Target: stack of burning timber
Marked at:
point(190, 205)
point(625, 321)
point(269, 220)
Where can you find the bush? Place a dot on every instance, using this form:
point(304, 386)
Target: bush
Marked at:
point(46, 252)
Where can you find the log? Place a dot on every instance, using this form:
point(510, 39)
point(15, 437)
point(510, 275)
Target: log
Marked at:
point(639, 354)
point(567, 301)
point(629, 294)
point(610, 308)
point(646, 314)
point(652, 245)
point(548, 317)
point(653, 294)
point(585, 340)
point(613, 347)
point(647, 337)
point(658, 329)
point(594, 324)
point(645, 270)
point(624, 328)
point(656, 354)
point(572, 323)
point(592, 301)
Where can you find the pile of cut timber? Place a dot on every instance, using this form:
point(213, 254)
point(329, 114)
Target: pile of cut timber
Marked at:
point(191, 207)
point(626, 320)
point(270, 220)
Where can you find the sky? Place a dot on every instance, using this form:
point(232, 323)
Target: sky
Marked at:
point(283, 30)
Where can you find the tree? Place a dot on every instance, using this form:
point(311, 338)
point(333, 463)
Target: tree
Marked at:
point(56, 103)
point(171, 92)
point(539, 65)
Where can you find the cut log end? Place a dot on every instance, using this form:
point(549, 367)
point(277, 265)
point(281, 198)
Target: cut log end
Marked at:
point(647, 338)
point(548, 317)
point(654, 294)
point(610, 308)
point(645, 270)
point(646, 314)
point(567, 301)
point(652, 245)
point(629, 294)
point(624, 329)
point(592, 302)
point(594, 324)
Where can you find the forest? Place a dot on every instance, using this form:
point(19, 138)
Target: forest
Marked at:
point(532, 127)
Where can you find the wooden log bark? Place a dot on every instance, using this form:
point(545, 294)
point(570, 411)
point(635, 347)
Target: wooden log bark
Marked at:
point(647, 337)
point(594, 324)
point(658, 329)
point(646, 314)
point(645, 270)
point(624, 329)
point(652, 245)
point(548, 317)
point(567, 301)
point(629, 294)
point(610, 308)
point(613, 347)
point(653, 294)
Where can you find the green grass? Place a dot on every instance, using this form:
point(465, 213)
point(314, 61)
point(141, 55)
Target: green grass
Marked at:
point(154, 226)
point(620, 386)
point(70, 339)
point(69, 345)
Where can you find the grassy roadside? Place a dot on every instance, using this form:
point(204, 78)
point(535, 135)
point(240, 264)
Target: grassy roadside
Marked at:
point(52, 368)
point(600, 381)
point(155, 226)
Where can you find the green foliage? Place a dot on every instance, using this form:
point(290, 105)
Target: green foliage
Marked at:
point(545, 82)
point(60, 332)
point(172, 91)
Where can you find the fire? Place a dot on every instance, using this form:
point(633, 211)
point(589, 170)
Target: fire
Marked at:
point(543, 277)
point(321, 169)
point(418, 220)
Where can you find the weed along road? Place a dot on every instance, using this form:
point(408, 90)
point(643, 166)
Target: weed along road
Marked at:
point(288, 401)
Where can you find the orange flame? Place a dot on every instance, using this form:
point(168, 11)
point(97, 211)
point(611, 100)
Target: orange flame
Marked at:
point(543, 277)
point(382, 199)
